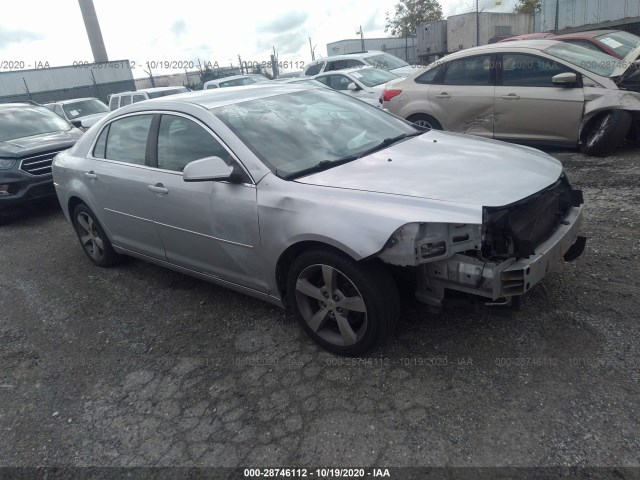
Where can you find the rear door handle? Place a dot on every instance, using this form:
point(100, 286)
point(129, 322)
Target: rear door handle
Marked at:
point(158, 188)
point(91, 175)
point(443, 95)
point(511, 96)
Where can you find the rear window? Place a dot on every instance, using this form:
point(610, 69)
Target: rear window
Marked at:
point(314, 69)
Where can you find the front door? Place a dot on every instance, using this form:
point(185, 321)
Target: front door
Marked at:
point(209, 227)
point(530, 107)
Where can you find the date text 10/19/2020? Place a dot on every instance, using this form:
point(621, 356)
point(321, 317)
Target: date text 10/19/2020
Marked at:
point(187, 64)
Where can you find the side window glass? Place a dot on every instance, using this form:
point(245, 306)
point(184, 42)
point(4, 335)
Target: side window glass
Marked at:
point(113, 103)
point(58, 110)
point(125, 100)
point(98, 150)
point(181, 141)
point(127, 141)
point(429, 76)
point(314, 69)
point(324, 80)
point(529, 71)
point(469, 71)
point(138, 98)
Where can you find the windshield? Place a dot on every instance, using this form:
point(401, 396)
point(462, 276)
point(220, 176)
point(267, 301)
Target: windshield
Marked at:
point(27, 121)
point(620, 42)
point(595, 62)
point(164, 93)
point(84, 108)
point(386, 61)
point(372, 77)
point(296, 131)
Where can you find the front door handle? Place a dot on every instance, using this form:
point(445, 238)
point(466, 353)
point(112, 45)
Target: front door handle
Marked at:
point(91, 175)
point(443, 95)
point(158, 188)
point(511, 96)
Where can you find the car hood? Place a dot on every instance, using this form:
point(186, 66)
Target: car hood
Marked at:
point(404, 71)
point(21, 147)
point(447, 167)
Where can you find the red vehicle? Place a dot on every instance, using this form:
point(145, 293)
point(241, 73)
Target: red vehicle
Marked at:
point(616, 43)
point(528, 36)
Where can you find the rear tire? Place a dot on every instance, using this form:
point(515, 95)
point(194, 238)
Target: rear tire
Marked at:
point(345, 306)
point(93, 239)
point(605, 131)
point(426, 121)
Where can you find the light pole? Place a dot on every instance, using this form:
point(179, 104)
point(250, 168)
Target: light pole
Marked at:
point(477, 24)
point(361, 38)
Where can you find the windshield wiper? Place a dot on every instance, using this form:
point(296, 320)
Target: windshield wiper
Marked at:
point(327, 164)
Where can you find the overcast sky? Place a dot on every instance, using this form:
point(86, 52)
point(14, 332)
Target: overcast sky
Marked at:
point(143, 30)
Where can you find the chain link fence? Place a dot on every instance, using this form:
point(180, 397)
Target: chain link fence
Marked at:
point(192, 80)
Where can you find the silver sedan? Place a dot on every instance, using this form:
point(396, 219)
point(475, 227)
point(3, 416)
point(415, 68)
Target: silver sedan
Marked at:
point(313, 200)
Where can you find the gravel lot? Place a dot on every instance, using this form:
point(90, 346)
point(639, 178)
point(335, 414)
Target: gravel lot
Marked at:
point(140, 366)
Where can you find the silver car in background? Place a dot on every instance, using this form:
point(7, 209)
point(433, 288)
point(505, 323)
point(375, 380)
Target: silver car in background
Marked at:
point(310, 199)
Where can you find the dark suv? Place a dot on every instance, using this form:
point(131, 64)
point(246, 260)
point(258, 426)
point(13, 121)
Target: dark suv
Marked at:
point(30, 136)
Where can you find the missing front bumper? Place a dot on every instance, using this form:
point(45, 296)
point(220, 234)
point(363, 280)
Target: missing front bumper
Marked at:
point(505, 279)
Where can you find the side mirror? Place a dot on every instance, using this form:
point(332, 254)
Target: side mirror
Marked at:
point(209, 169)
point(353, 86)
point(568, 79)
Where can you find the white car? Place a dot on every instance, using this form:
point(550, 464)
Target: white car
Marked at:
point(367, 84)
point(234, 81)
point(371, 58)
point(82, 113)
point(122, 99)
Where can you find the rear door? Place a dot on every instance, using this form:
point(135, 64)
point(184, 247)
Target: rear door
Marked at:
point(530, 107)
point(464, 101)
point(118, 181)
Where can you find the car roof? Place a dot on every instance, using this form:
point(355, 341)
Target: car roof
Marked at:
point(73, 100)
point(348, 55)
point(588, 34)
point(19, 105)
point(347, 70)
point(540, 44)
point(219, 97)
point(151, 89)
point(234, 77)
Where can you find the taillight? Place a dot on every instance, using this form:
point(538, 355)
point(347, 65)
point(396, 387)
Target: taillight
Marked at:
point(389, 94)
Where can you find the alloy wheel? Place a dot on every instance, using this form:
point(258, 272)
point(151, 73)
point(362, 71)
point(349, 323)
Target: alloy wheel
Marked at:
point(89, 236)
point(331, 305)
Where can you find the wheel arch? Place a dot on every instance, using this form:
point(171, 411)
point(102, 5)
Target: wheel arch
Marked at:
point(293, 251)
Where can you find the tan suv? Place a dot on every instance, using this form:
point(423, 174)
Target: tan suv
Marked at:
point(535, 92)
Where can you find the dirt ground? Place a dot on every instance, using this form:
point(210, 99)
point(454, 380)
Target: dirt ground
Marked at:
point(140, 366)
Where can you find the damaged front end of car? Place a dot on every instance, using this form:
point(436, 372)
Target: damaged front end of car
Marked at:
point(513, 249)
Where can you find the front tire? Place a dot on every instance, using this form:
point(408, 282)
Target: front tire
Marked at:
point(94, 241)
point(345, 306)
point(605, 131)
